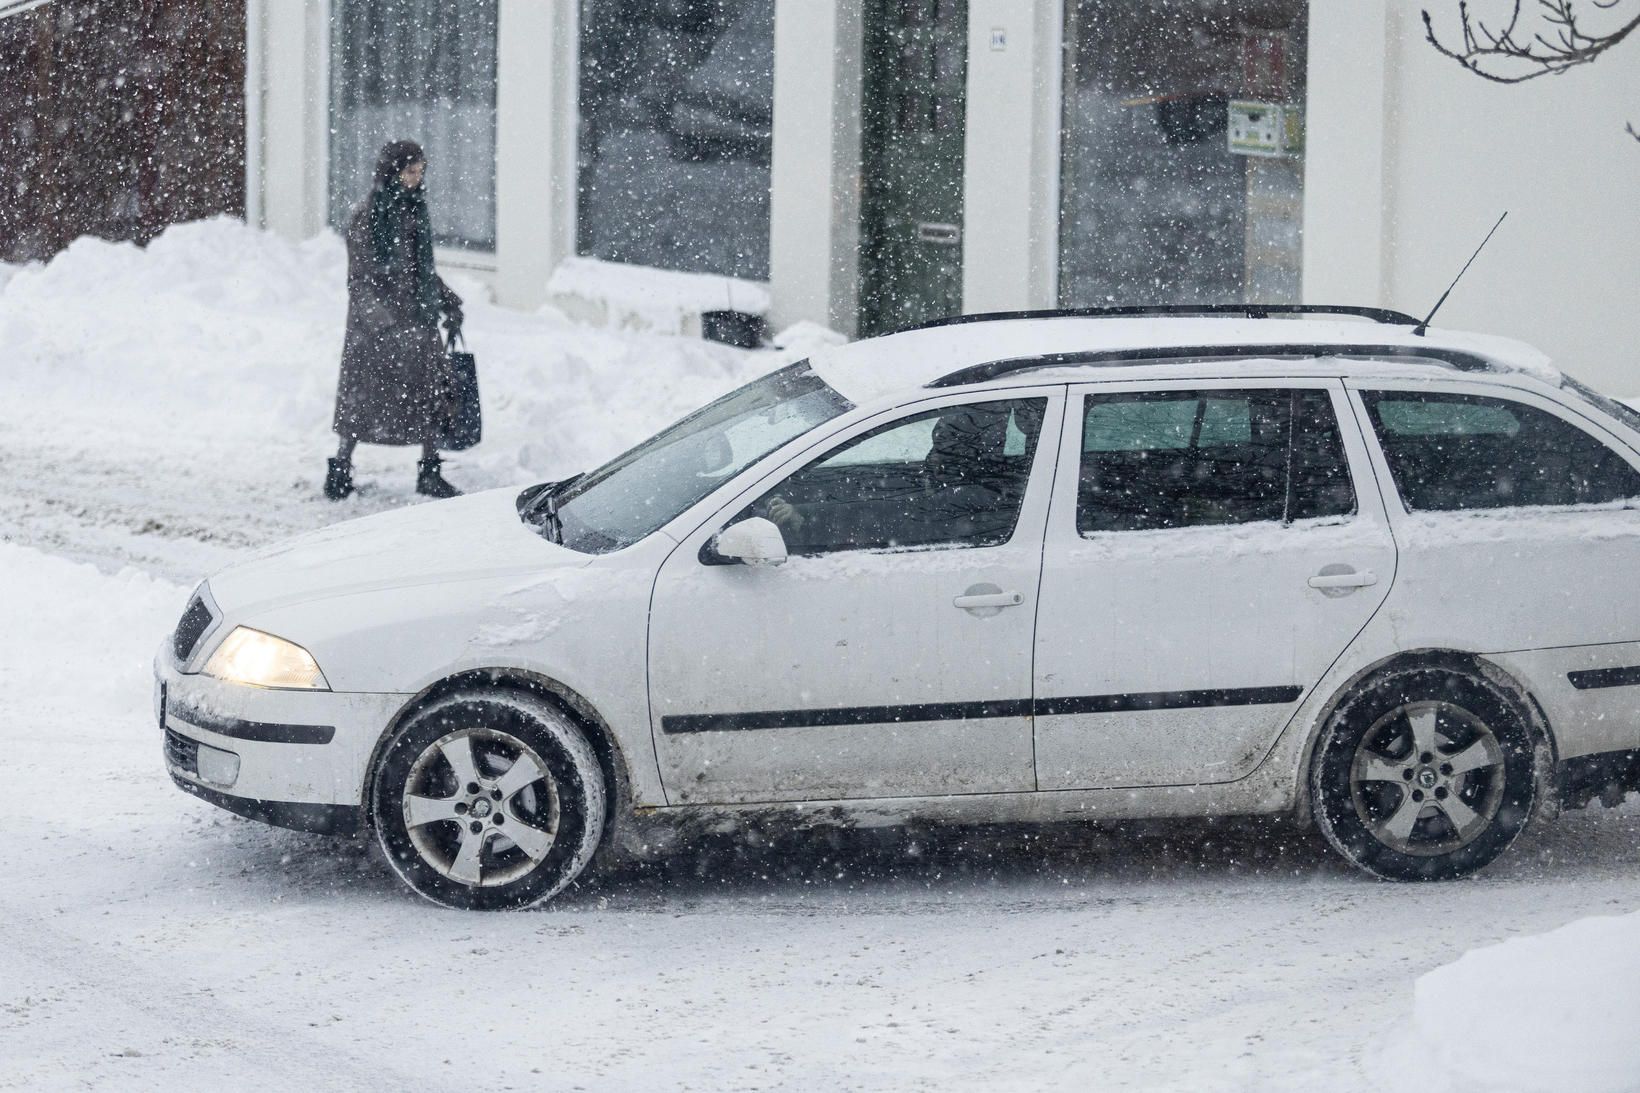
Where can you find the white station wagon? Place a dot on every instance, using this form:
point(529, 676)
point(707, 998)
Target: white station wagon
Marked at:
point(1000, 568)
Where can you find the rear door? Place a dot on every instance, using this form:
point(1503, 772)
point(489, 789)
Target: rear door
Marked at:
point(1212, 548)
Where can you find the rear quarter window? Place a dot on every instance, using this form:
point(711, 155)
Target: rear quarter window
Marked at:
point(1449, 452)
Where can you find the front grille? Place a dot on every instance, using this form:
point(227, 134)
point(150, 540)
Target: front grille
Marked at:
point(195, 621)
point(181, 752)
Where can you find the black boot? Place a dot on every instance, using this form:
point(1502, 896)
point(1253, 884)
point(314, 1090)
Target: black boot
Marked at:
point(432, 483)
point(339, 479)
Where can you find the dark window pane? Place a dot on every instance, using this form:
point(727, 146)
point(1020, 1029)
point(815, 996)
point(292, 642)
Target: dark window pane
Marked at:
point(1449, 451)
point(950, 477)
point(677, 104)
point(1166, 459)
point(1320, 479)
point(422, 70)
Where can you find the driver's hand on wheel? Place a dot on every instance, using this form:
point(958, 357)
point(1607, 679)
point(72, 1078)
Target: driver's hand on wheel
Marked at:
point(784, 514)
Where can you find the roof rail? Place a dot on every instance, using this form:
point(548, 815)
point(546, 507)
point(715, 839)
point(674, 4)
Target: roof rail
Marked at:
point(1245, 311)
point(984, 373)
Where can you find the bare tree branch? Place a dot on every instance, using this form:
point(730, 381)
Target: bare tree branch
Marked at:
point(1510, 54)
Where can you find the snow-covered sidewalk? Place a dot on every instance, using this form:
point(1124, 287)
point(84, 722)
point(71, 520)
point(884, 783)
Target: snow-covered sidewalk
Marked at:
point(162, 410)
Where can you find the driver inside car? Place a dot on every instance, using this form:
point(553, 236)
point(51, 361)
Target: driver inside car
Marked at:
point(943, 497)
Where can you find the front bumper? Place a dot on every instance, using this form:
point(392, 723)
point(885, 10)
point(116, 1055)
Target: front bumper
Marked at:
point(290, 758)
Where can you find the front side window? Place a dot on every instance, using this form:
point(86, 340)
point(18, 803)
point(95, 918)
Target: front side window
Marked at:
point(636, 493)
point(1449, 451)
point(677, 109)
point(421, 70)
point(955, 476)
point(1171, 459)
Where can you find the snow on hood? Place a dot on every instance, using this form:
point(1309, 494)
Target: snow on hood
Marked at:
point(464, 538)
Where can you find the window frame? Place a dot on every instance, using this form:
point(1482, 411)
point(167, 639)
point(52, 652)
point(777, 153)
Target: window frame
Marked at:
point(1362, 471)
point(1565, 411)
point(781, 465)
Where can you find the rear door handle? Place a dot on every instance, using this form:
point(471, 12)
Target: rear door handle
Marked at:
point(1346, 579)
point(989, 599)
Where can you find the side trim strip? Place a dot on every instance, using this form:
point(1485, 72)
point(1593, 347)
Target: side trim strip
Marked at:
point(1169, 700)
point(844, 715)
point(966, 711)
point(259, 731)
point(1597, 678)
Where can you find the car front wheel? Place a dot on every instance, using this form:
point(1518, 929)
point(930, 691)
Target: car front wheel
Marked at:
point(1426, 774)
point(488, 802)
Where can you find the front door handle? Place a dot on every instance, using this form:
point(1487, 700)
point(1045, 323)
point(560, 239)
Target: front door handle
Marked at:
point(989, 599)
point(1333, 579)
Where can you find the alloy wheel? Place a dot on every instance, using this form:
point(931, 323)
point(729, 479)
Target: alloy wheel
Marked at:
point(480, 807)
point(1427, 778)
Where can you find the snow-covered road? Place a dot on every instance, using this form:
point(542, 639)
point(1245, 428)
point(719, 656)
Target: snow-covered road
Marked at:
point(150, 941)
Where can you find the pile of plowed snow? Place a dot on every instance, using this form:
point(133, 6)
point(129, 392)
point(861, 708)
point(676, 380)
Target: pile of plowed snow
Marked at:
point(216, 328)
point(1557, 1011)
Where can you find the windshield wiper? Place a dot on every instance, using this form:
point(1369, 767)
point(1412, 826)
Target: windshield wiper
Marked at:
point(552, 525)
point(542, 509)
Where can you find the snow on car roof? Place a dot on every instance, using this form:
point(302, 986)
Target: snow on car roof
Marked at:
point(896, 364)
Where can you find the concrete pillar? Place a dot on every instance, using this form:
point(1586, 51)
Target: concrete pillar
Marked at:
point(1011, 184)
point(295, 106)
point(535, 146)
point(815, 179)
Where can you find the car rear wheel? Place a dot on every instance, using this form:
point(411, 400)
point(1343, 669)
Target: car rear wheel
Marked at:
point(1426, 774)
point(488, 802)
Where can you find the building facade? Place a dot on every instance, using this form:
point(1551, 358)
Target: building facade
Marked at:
point(875, 162)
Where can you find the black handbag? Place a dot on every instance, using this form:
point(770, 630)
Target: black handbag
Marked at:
point(463, 420)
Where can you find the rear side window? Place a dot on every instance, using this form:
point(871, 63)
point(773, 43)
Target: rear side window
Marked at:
point(1450, 451)
point(1168, 459)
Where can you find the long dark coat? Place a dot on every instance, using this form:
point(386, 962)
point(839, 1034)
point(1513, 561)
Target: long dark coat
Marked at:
point(392, 384)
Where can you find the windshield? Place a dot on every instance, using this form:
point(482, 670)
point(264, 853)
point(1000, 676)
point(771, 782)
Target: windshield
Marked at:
point(636, 493)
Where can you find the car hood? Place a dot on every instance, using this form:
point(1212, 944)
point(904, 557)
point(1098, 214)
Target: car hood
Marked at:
point(465, 538)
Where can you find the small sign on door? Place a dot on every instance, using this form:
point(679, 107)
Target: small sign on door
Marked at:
point(999, 39)
point(1256, 128)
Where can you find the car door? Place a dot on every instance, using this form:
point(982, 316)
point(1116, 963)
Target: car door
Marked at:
point(890, 655)
point(1213, 547)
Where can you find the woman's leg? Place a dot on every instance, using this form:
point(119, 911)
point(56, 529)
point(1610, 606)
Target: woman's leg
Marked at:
point(428, 479)
point(339, 474)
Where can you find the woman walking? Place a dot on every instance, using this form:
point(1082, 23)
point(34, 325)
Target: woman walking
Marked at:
point(394, 379)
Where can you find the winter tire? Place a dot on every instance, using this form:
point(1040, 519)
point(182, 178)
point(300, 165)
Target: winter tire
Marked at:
point(1425, 774)
point(488, 802)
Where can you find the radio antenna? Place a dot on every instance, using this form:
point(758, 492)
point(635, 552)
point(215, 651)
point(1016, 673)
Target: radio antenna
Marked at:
point(1424, 326)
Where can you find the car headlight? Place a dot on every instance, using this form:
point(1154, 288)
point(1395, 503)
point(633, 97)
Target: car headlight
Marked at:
point(262, 660)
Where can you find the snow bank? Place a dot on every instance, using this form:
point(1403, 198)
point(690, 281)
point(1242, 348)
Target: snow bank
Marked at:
point(1558, 1011)
point(95, 655)
point(222, 331)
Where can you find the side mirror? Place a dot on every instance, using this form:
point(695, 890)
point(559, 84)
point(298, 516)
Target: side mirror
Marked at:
point(754, 541)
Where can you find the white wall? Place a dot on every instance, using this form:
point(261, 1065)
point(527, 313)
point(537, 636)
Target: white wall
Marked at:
point(1451, 152)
